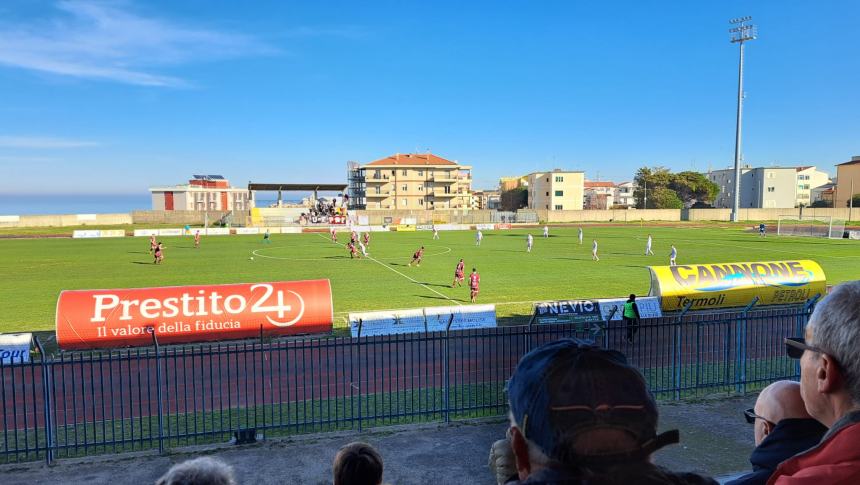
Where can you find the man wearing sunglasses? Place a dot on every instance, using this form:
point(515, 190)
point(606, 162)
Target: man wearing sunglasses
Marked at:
point(830, 387)
point(782, 429)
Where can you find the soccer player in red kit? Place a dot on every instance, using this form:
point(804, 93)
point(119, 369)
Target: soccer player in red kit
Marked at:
point(353, 252)
point(416, 258)
point(197, 240)
point(152, 243)
point(159, 253)
point(458, 274)
point(474, 283)
point(333, 235)
point(366, 238)
point(353, 237)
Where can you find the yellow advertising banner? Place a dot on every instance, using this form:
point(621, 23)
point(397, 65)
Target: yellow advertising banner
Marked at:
point(720, 285)
point(404, 227)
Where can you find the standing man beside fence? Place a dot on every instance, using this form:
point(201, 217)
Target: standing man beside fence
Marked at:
point(630, 315)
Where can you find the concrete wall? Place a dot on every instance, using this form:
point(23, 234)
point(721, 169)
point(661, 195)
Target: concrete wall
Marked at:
point(616, 215)
point(377, 217)
point(186, 217)
point(66, 220)
point(768, 214)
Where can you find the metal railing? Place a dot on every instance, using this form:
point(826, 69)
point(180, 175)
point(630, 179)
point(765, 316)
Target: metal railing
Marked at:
point(75, 404)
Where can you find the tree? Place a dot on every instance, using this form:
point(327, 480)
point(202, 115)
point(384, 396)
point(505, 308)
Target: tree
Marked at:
point(693, 186)
point(647, 180)
point(511, 200)
point(664, 198)
point(854, 201)
point(821, 203)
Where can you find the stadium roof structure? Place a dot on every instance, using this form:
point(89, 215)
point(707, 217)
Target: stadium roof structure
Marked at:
point(298, 187)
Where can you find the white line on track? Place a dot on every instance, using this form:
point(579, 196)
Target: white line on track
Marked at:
point(401, 274)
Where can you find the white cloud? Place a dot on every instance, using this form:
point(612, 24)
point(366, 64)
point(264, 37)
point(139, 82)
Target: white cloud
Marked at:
point(41, 142)
point(107, 41)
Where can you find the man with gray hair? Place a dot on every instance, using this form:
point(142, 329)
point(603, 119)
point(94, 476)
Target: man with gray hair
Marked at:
point(580, 414)
point(199, 471)
point(829, 356)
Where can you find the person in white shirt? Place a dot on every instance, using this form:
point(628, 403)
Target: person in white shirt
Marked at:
point(648, 247)
point(363, 248)
point(672, 256)
point(580, 235)
point(435, 232)
point(529, 242)
point(594, 251)
point(479, 237)
point(545, 231)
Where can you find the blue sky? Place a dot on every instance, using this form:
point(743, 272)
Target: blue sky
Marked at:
point(112, 97)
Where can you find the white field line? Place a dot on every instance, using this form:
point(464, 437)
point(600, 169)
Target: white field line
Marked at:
point(401, 274)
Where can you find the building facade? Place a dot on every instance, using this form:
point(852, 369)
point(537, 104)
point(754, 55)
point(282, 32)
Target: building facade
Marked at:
point(760, 188)
point(823, 193)
point(598, 195)
point(556, 190)
point(848, 181)
point(201, 193)
point(624, 195)
point(809, 178)
point(486, 200)
point(414, 181)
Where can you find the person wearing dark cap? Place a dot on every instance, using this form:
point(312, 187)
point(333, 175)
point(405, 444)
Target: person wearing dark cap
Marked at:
point(580, 414)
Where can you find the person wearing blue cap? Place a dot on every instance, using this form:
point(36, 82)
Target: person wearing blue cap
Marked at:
point(582, 415)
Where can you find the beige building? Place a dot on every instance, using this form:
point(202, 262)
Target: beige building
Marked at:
point(809, 178)
point(415, 181)
point(599, 195)
point(201, 193)
point(556, 190)
point(760, 188)
point(511, 183)
point(848, 181)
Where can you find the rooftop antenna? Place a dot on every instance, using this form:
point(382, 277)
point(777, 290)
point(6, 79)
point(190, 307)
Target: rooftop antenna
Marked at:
point(743, 31)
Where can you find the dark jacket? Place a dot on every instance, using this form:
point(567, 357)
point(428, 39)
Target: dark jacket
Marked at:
point(788, 438)
point(639, 474)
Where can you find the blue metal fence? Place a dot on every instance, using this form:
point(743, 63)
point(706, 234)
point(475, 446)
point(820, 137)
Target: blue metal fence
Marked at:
point(75, 404)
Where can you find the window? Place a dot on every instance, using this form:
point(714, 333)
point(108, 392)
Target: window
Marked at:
point(558, 208)
point(559, 193)
point(771, 175)
point(377, 190)
point(771, 189)
point(405, 173)
point(420, 188)
point(547, 194)
point(547, 179)
point(405, 187)
point(421, 173)
point(404, 202)
point(420, 201)
point(394, 172)
point(559, 178)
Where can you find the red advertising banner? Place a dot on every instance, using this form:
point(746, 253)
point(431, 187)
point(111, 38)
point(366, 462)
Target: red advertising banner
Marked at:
point(126, 317)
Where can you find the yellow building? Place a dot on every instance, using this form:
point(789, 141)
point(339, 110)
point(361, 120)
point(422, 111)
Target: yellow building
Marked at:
point(847, 181)
point(556, 190)
point(511, 183)
point(415, 181)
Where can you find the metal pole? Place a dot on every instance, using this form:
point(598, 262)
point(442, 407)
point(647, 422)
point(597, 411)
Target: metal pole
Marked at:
point(739, 121)
point(158, 391)
point(46, 392)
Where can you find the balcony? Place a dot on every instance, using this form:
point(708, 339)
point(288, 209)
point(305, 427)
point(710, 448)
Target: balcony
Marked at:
point(374, 195)
point(444, 179)
point(376, 179)
point(439, 192)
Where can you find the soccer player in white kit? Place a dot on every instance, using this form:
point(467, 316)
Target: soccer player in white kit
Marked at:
point(529, 241)
point(363, 248)
point(672, 256)
point(594, 251)
point(479, 237)
point(435, 232)
point(545, 231)
point(580, 235)
point(648, 247)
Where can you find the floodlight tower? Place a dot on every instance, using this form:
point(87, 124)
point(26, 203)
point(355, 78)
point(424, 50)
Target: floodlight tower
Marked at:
point(742, 32)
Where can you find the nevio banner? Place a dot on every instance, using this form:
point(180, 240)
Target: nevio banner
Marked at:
point(127, 317)
point(567, 311)
point(15, 348)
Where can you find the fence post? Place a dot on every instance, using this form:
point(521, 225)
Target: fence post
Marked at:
point(741, 348)
point(446, 365)
point(607, 323)
point(151, 331)
point(802, 320)
point(46, 393)
point(358, 386)
point(677, 354)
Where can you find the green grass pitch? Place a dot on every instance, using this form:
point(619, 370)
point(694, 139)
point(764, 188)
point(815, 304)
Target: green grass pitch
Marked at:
point(34, 271)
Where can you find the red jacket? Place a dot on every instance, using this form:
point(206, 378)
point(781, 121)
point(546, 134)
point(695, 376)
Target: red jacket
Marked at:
point(834, 461)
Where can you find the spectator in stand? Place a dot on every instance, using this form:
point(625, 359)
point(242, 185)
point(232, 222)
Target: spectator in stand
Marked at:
point(357, 464)
point(830, 386)
point(580, 414)
point(782, 429)
point(199, 471)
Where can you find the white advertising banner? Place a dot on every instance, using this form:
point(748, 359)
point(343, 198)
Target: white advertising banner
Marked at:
point(465, 317)
point(853, 234)
point(291, 230)
point(171, 232)
point(387, 322)
point(113, 233)
point(145, 232)
point(408, 221)
point(361, 228)
point(378, 229)
point(86, 234)
point(649, 307)
point(247, 230)
point(217, 231)
point(363, 220)
point(15, 347)
point(485, 227)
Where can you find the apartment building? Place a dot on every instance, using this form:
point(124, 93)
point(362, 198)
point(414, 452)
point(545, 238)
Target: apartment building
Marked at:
point(624, 195)
point(809, 178)
point(848, 181)
point(201, 193)
point(414, 181)
point(760, 188)
point(556, 190)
